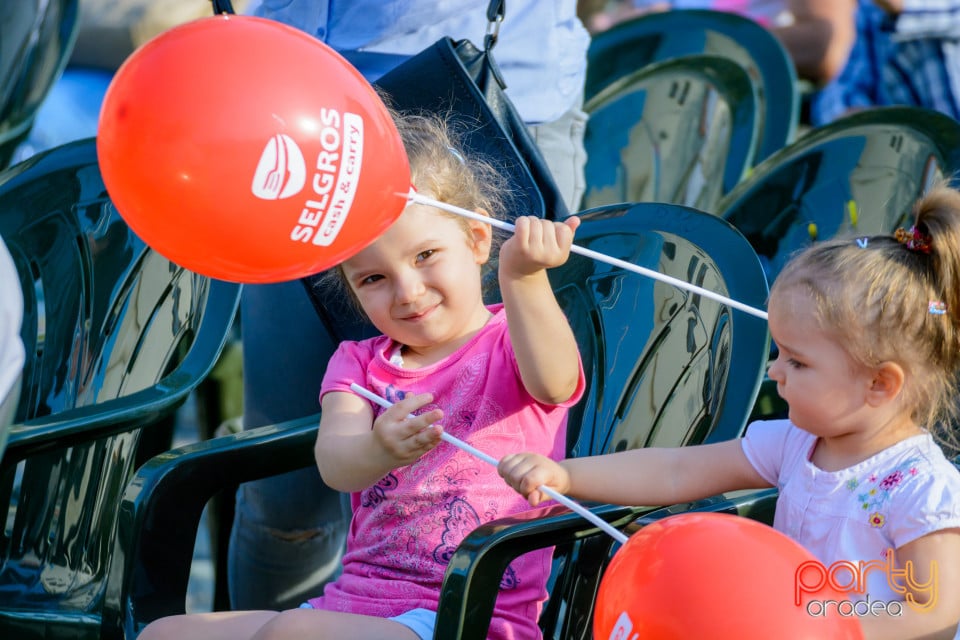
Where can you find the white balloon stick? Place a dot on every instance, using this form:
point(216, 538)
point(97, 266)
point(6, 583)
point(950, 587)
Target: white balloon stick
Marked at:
point(413, 196)
point(559, 497)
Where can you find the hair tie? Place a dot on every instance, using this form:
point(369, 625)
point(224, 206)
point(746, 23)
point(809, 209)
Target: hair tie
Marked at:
point(914, 239)
point(937, 308)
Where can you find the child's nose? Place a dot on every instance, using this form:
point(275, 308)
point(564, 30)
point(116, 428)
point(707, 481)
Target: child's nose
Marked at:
point(775, 371)
point(409, 287)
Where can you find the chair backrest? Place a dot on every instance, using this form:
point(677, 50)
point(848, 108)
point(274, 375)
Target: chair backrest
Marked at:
point(660, 36)
point(859, 175)
point(667, 367)
point(682, 131)
point(116, 336)
point(36, 39)
point(664, 367)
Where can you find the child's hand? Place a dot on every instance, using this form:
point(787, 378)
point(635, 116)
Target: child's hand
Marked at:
point(525, 472)
point(537, 244)
point(402, 438)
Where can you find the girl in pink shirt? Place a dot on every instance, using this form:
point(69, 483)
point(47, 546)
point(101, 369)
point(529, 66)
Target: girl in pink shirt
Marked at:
point(500, 377)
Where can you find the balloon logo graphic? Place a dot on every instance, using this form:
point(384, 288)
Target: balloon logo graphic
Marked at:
point(281, 172)
point(246, 150)
point(711, 575)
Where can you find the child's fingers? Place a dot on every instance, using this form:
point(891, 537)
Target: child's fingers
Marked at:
point(404, 436)
point(410, 404)
point(567, 229)
point(422, 441)
point(523, 472)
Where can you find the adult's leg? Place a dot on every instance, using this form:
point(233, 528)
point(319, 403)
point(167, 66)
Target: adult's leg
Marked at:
point(561, 143)
point(289, 530)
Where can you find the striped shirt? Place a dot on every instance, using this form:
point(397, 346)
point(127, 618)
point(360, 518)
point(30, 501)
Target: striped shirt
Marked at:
point(911, 59)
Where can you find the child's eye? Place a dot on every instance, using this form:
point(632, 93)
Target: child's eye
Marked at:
point(371, 279)
point(796, 364)
point(423, 255)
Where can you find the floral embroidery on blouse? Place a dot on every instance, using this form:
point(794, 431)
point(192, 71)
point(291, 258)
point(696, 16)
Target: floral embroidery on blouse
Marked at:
point(874, 490)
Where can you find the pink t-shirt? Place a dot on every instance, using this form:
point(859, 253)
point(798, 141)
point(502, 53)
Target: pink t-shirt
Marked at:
point(407, 526)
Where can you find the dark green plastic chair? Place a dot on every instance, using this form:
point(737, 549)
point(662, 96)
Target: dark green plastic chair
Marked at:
point(36, 40)
point(859, 175)
point(663, 367)
point(116, 337)
point(656, 37)
point(682, 131)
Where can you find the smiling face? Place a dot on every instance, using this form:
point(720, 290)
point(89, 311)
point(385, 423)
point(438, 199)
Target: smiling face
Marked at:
point(420, 282)
point(826, 390)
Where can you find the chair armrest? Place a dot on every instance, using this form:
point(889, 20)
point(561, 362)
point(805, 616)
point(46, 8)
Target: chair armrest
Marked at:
point(472, 580)
point(754, 504)
point(161, 509)
point(144, 407)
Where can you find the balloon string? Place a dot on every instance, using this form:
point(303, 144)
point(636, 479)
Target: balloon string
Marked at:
point(413, 196)
point(559, 497)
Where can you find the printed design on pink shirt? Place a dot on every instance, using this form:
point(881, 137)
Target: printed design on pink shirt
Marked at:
point(460, 520)
point(874, 492)
point(378, 492)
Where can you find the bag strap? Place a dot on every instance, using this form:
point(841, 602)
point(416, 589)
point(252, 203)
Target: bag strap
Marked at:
point(496, 10)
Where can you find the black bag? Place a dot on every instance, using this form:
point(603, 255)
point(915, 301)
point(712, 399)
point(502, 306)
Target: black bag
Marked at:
point(459, 79)
point(463, 81)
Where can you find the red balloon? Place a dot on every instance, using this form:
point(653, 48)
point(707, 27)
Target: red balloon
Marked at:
point(246, 150)
point(713, 575)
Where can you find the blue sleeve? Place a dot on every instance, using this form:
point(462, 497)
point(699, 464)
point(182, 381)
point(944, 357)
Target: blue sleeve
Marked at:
point(855, 87)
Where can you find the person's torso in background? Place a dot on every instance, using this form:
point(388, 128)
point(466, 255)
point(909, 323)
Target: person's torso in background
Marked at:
point(541, 47)
point(766, 12)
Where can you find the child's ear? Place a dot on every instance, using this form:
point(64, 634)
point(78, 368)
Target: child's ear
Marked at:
point(482, 235)
point(887, 383)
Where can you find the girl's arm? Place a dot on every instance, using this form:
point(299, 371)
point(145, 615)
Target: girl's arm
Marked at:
point(647, 477)
point(353, 451)
point(546, 349)
point(931, 573)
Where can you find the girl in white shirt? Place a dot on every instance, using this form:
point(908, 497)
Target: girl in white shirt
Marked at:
point(868, 331)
